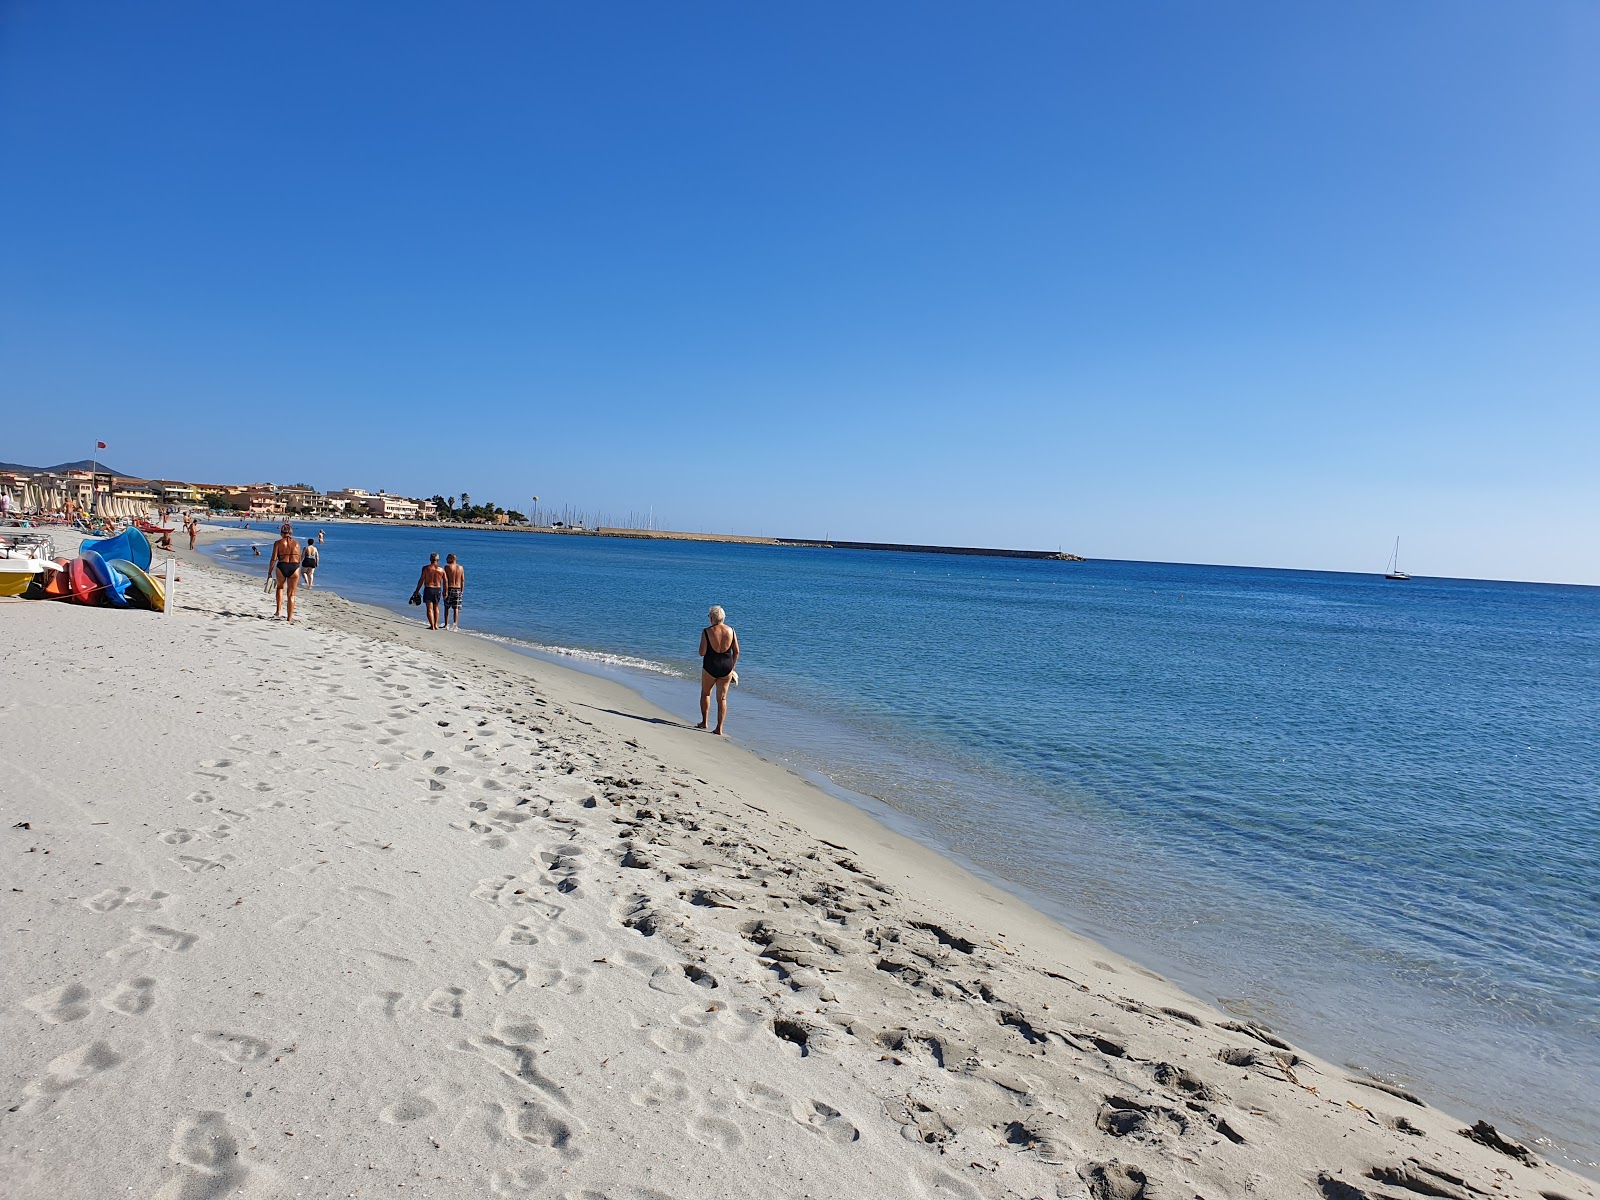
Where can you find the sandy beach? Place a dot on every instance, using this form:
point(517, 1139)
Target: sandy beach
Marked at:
point(347, 908)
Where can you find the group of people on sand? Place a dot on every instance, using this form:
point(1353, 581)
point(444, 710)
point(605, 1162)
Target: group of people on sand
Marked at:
point(439, 590)
point(289, 565)
point(440, 587)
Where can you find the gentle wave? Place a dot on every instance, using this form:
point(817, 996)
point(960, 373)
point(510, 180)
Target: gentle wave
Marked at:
point(597, 656)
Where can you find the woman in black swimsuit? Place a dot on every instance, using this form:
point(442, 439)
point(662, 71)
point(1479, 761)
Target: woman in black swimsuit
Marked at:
point(285, 562)
point(719, 650)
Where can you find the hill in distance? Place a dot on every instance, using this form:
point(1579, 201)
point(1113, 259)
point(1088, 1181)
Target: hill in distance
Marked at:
point(82, 464)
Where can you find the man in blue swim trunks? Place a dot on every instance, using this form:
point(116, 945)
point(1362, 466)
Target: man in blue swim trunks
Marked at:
point(431, 583)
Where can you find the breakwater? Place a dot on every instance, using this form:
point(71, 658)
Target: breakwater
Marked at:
point(673, 535)
point(910, 548)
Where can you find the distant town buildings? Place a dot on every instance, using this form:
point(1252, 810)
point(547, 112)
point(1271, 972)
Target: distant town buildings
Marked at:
point(123, 496)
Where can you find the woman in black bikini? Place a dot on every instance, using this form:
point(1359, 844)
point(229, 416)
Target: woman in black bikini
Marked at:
point(719, 650)
point(285, 562)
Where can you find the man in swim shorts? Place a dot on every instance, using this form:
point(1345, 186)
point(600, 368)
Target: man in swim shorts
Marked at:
point(431, 584)
point(285, 564)
point(455, 582)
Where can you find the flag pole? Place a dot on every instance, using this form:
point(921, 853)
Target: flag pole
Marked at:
point(94, 469)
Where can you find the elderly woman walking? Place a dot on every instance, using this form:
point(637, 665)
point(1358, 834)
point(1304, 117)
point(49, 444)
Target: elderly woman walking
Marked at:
point(719, 651)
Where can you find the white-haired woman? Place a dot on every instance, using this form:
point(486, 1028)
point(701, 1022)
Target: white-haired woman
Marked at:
point(719, 654)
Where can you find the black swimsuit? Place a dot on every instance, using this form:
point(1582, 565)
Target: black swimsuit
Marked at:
point(718, 663)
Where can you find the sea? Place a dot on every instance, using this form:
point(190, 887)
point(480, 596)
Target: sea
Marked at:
point(1364, 812)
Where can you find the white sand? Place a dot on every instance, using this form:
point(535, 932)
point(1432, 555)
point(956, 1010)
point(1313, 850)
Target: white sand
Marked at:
point(351, 909)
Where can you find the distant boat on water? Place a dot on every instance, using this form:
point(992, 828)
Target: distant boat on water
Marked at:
point(1394, 571)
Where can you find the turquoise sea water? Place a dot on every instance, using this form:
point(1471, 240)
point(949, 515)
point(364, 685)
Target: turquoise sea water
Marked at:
point(1366, 812)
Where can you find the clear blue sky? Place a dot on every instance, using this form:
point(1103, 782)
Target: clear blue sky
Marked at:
point(1253, 283)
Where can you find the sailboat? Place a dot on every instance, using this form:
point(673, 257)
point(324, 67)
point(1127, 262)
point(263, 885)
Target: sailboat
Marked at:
point(1394, 571)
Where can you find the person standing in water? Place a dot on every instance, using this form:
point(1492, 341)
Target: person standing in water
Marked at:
point(308, 563)
point(455, 582)
point(719, 651)
point(431, 584)
point(285, 562)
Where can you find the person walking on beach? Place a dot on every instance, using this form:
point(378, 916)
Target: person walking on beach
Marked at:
point(193, 526)
point(455, 582)
point(431, 584)
point(719, 650)
point(308, 563)
point(285, 561)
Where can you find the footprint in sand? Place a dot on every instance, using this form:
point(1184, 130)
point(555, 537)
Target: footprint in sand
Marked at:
point(133, 997)
point(407, 1108)
point(668, 1088)
point(514, 1183)
point(235, 1047)
point(726, 1024)
point(521, 934)
point(534, 1125)
point(715, 1132)
point(154, 937)
point(69, 1002)
point(825, 1120)
point(514, 1056)
point(68, 1071)
point(209, 1152)
point(125, 897)
point(677, 1041)
point(446, 1001)
point(385, 1005)
point(503, 975)
point(509, 891)
point(194, 864)
point(569, 982)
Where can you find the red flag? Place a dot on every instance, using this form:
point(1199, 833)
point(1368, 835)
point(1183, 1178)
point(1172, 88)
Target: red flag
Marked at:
point(99, 445)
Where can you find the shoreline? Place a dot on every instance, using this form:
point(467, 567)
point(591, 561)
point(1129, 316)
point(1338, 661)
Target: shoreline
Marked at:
point(976, 1045)
point(1238, 1001)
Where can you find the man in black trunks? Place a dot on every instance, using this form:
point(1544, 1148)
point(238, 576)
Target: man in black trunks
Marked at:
point(285, 564)
point(719, 650)
point(455, 583)
point(431, 582)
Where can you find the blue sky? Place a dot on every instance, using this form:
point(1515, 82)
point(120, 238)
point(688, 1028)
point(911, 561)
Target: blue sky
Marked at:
point(1247, 283)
